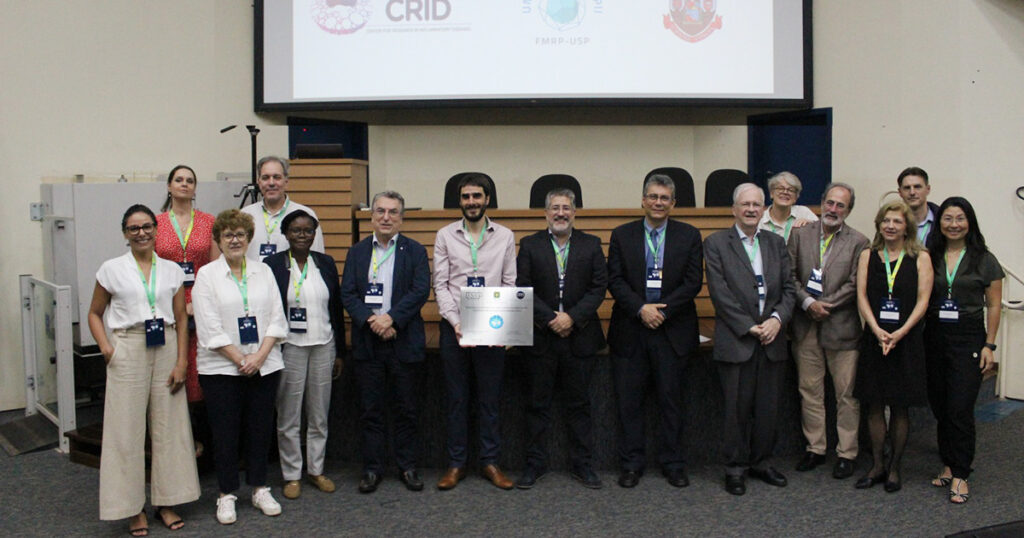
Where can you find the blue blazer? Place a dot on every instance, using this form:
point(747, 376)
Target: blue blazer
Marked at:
point(279, 265)
point(410, 289)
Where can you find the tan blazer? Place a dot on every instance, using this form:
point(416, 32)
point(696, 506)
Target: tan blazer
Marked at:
point(841, 330)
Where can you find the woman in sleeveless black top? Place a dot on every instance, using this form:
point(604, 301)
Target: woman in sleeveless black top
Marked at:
point(891, 366)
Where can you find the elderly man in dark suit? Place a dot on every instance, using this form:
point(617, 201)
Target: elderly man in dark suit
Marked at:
point(752, 291)
point(827, 327)
point(384, 285)
point(654, 273)
point(566, 268)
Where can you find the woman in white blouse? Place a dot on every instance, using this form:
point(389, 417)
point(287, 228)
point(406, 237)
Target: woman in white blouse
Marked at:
point(137, 318)
point(783, 215)
point(311, 297)
point(240, 323)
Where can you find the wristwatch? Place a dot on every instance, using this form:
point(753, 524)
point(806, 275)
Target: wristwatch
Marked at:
point(990, 346)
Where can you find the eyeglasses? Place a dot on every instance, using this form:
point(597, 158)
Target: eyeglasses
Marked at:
point(658, 197)
point(380, 212)
point(234, 236)
point(786, 190)
point(134, 230)
point(958, 220)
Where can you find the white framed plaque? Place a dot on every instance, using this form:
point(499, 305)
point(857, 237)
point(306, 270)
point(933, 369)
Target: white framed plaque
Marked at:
point(496, 316)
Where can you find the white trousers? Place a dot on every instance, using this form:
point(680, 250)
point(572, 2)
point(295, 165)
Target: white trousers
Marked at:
point(307, 375)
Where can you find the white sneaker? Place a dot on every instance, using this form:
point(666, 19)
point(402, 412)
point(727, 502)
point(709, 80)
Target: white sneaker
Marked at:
point(226, 509)
point(262, 499)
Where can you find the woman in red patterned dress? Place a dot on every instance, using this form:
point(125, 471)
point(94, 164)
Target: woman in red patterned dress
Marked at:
point(185, 236)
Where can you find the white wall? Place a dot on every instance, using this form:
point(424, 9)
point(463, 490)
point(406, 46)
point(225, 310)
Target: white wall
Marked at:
point(105, 87)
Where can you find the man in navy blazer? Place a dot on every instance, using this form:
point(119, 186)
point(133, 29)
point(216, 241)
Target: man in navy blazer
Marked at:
point(384, 285)
point(752, 290)
point(566, 269)
point(655, 270)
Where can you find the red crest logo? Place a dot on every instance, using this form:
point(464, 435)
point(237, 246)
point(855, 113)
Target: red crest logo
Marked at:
point(692, 20)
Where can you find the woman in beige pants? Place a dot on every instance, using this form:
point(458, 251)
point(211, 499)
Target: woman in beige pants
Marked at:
point(140, 300)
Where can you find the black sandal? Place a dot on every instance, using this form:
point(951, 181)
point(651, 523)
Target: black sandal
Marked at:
point(175, 525)
point(942, 481)
point(956, 497)
point(139, 531)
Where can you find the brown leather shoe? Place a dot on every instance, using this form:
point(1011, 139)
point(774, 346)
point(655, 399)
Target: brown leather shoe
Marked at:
point(322, 483)
point(451, 478)
point(292, 489)
point(498, 478)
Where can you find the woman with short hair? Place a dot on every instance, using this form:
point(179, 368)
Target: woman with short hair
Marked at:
point(783, 215)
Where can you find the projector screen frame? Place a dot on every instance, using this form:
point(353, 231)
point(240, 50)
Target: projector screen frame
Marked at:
point(261, 106)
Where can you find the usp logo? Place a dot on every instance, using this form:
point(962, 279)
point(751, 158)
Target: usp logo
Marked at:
point(562, 14)
point(692, 20)
point(341, 16)
point(496, 322)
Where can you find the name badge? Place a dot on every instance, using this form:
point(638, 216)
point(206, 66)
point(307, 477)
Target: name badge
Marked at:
point(247, 332)
point(374, 295)
point(154, 332)
point(889, 311)
point(653, 278)
point(267, 249)
point(949, 311)
point(297, 319)
point(762, 291)
point(190, 273)
point(814, 283)
point(475, 282)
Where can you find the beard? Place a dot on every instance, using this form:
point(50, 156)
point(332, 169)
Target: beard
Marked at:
point(483, 209)
point(829, 220)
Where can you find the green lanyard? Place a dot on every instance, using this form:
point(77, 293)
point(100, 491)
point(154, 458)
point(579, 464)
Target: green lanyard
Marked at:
point(752, 253)
point(298, 282)
point(243, 286)
point(789, 227)
point(921, 235)
point(151, 287)
point(890, 274)
point(562, 256)
point(375, 263)
point(822, 247)
point(266, 218)
point(654, 247)
point(951, 276)
point(183, 239)
point(473, 247)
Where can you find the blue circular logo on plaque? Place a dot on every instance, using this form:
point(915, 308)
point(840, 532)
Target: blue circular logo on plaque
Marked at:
point(496, 322)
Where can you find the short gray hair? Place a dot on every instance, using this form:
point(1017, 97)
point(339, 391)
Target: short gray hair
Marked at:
point(788, 177)
point(742, 187)
point(560, 192)
point(662, 180)
point(389, 194)
point(272, 159)
point(840, 185)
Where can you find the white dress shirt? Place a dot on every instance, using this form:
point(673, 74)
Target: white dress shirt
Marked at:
point(217, 303)
point(129, 305)
point(314, 297)
point(261, 235)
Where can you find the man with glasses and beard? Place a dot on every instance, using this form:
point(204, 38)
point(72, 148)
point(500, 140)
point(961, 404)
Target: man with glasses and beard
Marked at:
point(471, 252)
point(827, 327)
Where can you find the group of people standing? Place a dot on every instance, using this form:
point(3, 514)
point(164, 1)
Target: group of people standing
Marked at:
point(268, 337)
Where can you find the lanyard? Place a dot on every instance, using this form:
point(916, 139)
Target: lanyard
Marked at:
point(951, 276)
point(375, 263)
point(822, 247)
point(890, 274)
point(151, 286)
point(243, 286)
point(183, 239)
point(266, 218)
point(789, 227)
point(297, 284)
point(654, 247)
point(473, 247)
point(562, 255)
point(923, 233)
point(752, 253)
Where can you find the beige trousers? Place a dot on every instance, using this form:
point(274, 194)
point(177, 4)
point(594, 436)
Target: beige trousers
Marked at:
point(137, 383)
point(811, 364)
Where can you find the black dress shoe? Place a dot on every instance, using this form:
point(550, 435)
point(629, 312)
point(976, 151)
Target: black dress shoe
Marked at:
point(867, 481)
point(676, 477)
point(530, 477)
point(810, 461)
point(629, 479)
point(769, 476)
point(892, 486)
point(735, 484)
point(412, 480)
point(843, 469)
point(369, 482)
point(586, 476)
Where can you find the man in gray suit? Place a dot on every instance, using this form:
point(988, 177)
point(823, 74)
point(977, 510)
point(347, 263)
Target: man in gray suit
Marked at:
point(752, 290)
point(826, 327)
